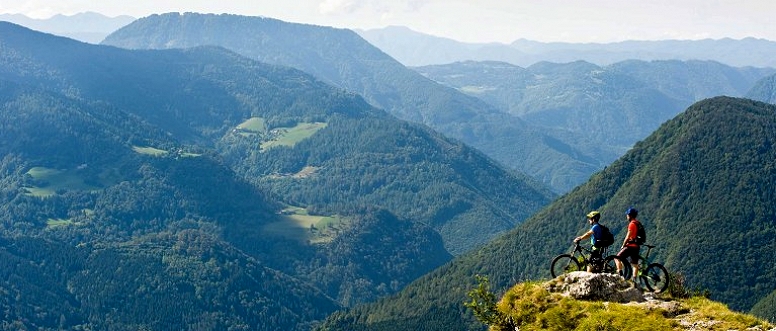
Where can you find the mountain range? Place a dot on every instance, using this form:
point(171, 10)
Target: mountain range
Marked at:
point(417, 49)
point(601, 111)
point(701, 182)
point(554, 146)
point(88, 27)
point(207, 187)
point(552, 143)
point(342, 58)
point(196, 188)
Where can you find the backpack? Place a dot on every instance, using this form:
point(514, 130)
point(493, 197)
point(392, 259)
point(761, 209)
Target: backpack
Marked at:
point(607, 238)
point(641, 234)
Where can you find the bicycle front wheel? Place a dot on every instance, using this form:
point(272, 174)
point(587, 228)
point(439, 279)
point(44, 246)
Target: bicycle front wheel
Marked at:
point(610, 266)
point(563, 264)
point(655, 277)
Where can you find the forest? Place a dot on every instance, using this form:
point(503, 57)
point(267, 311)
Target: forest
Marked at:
point(131, 185)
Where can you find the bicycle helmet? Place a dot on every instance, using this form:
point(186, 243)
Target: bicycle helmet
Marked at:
point(632, 212)
point(594, 215)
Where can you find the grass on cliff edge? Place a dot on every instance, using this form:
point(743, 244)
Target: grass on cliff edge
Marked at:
point(530, 306)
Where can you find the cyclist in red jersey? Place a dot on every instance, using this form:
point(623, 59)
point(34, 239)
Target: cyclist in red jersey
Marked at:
point(630, 249)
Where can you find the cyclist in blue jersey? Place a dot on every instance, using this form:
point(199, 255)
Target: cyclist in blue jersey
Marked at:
point(595, 233)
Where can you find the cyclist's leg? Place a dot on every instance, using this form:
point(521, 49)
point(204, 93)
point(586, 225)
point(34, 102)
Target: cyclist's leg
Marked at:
point(595, 259)
point(630, 254)
point(635, 263)
point(621, 254)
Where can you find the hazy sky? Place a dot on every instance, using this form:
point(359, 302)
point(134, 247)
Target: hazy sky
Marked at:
point(472, 20)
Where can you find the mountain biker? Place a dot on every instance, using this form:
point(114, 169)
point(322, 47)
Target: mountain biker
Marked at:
point(630, 248)
point(596, 231)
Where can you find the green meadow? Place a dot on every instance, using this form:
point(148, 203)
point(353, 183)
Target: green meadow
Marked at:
point(295, 223)
point(55, 222)
point(47, 181)
point(291, 136)
point(252, 125)
point(149, 151)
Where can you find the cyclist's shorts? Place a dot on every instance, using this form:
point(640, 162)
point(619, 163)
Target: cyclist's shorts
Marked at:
point(630, 253)
point(596, 255)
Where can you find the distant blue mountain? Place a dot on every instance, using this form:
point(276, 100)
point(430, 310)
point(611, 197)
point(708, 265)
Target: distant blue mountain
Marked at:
point(88, 27)
point(413, 48)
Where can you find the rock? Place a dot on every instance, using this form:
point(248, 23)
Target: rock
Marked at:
point(582, 285)
point(668, 309)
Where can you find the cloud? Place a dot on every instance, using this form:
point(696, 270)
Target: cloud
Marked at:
point(378, 7)
point(333, 7)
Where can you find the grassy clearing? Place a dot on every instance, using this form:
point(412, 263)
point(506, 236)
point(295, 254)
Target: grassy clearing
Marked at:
point(55, 222)
point(306, 171)
point(149, 151)
point(291, 136)
point(476, 89)
point(48, 181)
point(295, 223)
point(253, 124)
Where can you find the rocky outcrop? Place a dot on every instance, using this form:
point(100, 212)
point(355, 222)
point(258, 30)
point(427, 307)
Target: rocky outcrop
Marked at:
point(582, 285)
point(608, 288)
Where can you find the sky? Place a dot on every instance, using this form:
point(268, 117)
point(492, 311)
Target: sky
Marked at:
point(480, 21)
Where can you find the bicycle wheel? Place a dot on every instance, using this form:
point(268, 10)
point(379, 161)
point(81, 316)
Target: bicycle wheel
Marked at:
point(610, 266)
point(562, 264)
point(655, 277)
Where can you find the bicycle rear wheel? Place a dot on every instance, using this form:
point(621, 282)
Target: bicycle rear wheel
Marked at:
point(655, 277)
point(563, 264)
point(610, 266)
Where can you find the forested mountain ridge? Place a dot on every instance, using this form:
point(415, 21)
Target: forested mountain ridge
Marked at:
point(344, 59)
point(121, 240)
point(600, 110)
point(764, 90)
point(221, 175)
point(701, 183)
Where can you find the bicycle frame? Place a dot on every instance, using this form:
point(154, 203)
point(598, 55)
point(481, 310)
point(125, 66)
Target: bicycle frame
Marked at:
point(585, 254)
point(654, 276)
point(579, 258)
point(644, 259)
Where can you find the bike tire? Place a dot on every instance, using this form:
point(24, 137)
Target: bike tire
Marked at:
point(563, 264)
point(656, 278)
point(610, 266)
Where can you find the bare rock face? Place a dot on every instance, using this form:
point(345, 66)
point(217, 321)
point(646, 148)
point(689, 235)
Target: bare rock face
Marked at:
point(582, 285)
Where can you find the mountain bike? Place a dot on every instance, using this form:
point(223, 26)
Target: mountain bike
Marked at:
point(579, 258)
point(652, 275)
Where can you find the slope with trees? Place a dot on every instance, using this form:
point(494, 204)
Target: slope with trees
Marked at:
point(702, 184)
point(598, 110)
point(764, 90)
point(342, 58)
point(128, 157)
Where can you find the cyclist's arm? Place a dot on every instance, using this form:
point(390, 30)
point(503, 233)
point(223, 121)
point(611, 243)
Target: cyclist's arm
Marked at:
point(627, 235)
point(584, 236)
